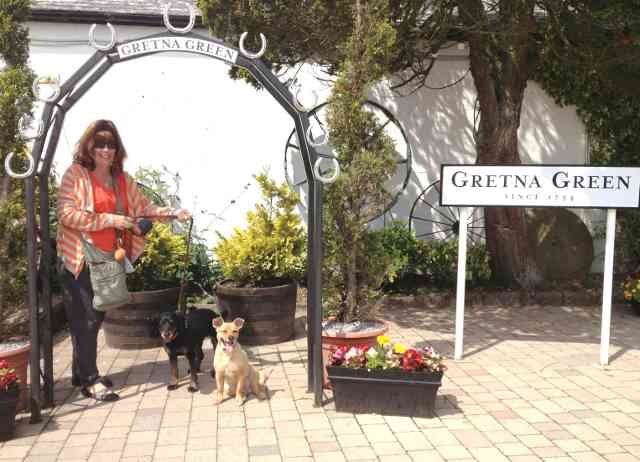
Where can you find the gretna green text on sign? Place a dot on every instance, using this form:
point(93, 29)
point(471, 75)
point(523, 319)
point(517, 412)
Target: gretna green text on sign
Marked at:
point(172, 43)
point(540, 186)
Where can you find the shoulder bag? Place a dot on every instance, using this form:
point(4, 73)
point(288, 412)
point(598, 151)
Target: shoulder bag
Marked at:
point(108, 276)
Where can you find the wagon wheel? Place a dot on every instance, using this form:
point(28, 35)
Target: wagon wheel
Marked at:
point(294, 166)
point(429, 220)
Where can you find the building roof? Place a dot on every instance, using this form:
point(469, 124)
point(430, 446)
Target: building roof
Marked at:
point(131, 12)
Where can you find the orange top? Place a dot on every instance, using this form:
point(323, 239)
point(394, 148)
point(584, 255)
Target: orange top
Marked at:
point(77, 219)
point(104, 201)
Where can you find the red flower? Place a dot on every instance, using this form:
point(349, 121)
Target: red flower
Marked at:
point(7, 376)
point(363, 347)
point(411, 360)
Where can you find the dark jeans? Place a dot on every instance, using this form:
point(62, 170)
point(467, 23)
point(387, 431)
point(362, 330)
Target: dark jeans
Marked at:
point(84, 324)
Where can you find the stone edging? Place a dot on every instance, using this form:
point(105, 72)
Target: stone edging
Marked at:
point(506, 298)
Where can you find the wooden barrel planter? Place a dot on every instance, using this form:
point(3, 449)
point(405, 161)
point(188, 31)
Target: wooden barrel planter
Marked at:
point(269, 312)
point(135, 325)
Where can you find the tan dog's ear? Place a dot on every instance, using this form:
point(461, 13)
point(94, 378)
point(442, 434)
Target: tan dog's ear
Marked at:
point(217, 322)
point(239, 322)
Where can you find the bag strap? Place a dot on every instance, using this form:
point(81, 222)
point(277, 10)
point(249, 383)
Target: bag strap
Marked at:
point(182, 301)
point(119, 210)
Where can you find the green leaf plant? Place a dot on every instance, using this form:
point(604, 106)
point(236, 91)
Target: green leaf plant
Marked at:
point(272, 248)
point(355, 260)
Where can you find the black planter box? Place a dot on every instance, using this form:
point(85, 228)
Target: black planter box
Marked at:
point(387, 392)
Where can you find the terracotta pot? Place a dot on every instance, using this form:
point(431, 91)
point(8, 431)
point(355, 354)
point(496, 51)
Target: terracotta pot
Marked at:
point(269, 312)
point(18, 359)
point(332, 340)
point(8, 408)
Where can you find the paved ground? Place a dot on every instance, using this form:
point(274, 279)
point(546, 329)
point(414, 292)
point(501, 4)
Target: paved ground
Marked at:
point(528, 389)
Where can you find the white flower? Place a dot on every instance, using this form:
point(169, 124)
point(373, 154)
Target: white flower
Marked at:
point(353, 353)
point(372, 353)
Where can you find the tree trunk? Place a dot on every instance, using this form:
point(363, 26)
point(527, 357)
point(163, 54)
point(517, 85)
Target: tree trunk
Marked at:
point(500, 68)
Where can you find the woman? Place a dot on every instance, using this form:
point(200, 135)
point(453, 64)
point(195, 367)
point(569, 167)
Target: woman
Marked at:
point(93, 189)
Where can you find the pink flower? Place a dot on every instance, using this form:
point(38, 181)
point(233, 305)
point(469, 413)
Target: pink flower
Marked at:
point(338, 356)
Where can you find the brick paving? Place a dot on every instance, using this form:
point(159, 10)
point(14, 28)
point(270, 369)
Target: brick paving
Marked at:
point(528, 389)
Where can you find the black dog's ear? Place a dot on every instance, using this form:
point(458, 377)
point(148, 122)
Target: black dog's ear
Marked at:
point(165, 318)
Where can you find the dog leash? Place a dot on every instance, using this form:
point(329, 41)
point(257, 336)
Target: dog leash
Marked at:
point(182, 301)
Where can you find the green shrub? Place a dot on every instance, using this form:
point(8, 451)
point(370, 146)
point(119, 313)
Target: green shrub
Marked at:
point(16, 101)
point(272, 248)
point(160, 265)
point(400, 244)
point(203, 272)
point(370, 275)
point(162, 262)
point(438, 260)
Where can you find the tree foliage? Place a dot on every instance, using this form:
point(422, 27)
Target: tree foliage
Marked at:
point(353, 273)
point(506, 39)
point(15, 103)
point(604, 87)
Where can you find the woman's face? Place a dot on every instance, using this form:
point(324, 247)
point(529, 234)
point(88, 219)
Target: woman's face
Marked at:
point(104, 149)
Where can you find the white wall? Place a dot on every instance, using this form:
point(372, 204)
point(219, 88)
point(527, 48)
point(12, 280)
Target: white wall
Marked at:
point(185, 113)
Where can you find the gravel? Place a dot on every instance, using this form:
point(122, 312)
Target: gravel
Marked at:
point(335, 327)
point(12, 345)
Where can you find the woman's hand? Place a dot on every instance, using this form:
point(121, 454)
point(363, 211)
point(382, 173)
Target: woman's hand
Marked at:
point(122, 222)
point(183, 215)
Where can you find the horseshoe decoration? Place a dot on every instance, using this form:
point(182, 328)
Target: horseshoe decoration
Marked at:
point(179, 30)
point(248, 54)
point(53, 81)
point(30, 169)
point(326, 179)
point(96, 45)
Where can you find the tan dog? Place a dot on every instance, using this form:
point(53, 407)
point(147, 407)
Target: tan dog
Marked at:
point(231, 364)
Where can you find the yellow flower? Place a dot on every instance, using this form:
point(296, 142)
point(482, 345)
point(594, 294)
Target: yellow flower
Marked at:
point(399, 348)
point(382, 340)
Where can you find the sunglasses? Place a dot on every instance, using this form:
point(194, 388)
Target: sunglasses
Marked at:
point(104, 144)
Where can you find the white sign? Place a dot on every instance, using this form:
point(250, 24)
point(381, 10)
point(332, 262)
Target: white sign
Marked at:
point(540, 186)
point(173, 43)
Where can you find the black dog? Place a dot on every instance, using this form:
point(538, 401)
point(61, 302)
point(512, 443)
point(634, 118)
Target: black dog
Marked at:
point(183, 336)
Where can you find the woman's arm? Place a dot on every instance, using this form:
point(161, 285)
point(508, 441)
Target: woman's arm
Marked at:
point(69, 212)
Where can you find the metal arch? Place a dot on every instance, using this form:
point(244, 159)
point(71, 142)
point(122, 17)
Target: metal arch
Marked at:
point(69, 93)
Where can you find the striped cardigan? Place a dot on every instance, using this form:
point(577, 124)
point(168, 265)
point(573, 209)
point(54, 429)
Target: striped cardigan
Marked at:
point(76, 216)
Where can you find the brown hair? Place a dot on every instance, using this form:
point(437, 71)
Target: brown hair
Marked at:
point(84, 149)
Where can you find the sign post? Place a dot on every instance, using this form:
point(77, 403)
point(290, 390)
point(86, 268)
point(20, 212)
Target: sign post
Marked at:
point(607, 283)
point(570, 186)
point(462, 279)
